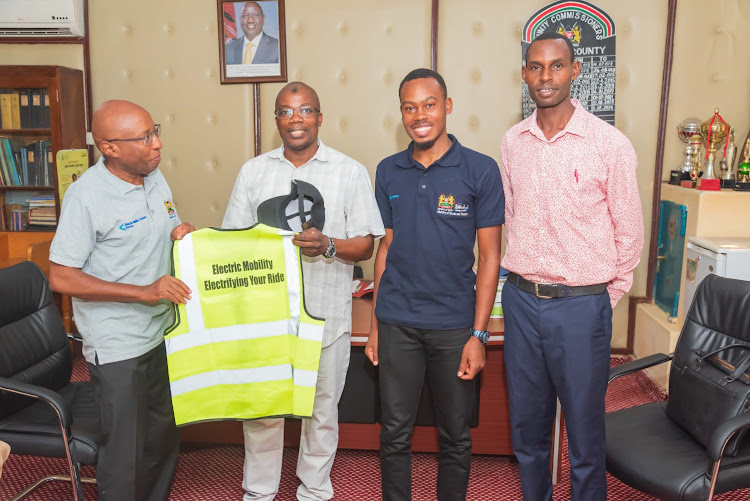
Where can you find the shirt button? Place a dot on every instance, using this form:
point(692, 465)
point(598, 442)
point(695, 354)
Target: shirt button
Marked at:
point(425, 174)
point(152, 211)
point(423, 186)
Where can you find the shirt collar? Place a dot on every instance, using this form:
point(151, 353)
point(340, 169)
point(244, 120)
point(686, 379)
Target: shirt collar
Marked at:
point(120, 185)
point(576, 125)
point(255, 41)
point(451, 158)
point(321, 155)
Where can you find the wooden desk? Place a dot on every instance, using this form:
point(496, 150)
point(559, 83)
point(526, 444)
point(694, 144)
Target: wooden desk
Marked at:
point(492, 436)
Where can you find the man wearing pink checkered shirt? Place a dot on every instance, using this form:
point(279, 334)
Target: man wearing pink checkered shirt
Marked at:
point(574, 234)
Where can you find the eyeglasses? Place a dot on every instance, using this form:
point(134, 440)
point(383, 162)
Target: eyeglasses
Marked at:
point(303, 112)
point(148, 139)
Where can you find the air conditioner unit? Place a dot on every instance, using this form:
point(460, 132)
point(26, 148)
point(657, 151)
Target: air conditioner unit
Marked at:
point(41, 18)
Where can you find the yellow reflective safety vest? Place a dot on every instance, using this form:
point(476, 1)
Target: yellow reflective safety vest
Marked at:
point(243, 347)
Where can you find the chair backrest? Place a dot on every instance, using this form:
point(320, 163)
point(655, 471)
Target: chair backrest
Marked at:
point(718, 317)
point(34, 346)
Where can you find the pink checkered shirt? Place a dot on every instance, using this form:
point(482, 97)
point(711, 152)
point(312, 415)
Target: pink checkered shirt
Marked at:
point(572, 211)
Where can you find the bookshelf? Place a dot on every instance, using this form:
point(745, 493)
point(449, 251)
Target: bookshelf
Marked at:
point(41, 113)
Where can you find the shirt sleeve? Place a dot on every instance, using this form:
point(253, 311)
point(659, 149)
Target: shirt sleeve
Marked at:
point(75, 236)
point(240, 212)
point(490, 199)
point(381, 196)
point(362, 214)
point(624, 205)
point(505, 175)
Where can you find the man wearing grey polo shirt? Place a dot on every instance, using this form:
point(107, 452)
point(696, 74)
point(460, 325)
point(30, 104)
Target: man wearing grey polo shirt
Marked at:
point(111, 253)
point(352, 223)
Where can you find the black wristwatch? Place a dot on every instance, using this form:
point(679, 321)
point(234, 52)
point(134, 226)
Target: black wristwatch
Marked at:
point(483, 336)
point(331, 250)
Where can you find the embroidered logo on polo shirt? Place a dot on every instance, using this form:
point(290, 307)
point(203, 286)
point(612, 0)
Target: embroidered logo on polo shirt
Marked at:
point(446, 202)
point(449, 207)
point(392, 197)
point(170, 209)
point(130, 224)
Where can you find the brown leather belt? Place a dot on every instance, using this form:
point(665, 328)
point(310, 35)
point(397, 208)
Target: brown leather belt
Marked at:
point(554, 291)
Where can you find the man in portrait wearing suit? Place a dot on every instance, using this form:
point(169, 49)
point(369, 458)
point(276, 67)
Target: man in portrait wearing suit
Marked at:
point(256, 47)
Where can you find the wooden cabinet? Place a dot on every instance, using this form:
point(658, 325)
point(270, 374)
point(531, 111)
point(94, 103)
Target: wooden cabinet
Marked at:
point(41, 112)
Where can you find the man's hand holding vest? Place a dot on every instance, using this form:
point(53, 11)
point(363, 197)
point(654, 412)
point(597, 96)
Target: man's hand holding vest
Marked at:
point(180, 231)
point(166, 287)
point(311, 242)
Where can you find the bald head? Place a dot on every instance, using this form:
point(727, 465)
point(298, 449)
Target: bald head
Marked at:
point(297, 88)
point(118, 119)
point(119, 128)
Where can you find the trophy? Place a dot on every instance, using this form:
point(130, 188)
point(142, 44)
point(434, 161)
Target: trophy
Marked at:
point(695, 160)
point(686, 130)
point(713, 132)
point(743, 170)
point(726, 164)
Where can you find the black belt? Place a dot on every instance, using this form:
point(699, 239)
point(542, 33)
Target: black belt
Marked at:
point(554, 291)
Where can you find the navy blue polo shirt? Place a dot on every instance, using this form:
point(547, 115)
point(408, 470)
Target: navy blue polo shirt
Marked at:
point(434, 212)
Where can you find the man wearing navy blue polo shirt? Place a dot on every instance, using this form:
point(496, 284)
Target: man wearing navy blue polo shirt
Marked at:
point(436, 197)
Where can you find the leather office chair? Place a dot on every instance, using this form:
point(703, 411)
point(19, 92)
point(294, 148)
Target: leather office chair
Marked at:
point(41, 412)
point(646, 448)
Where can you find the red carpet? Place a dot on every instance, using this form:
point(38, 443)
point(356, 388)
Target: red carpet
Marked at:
point(215, 474)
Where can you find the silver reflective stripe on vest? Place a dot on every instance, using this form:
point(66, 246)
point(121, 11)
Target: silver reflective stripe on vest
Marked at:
point(230, 333)
point(305, 378)
point(311, 332)
point(292, 280)
point(189, 277)
point(237, 376)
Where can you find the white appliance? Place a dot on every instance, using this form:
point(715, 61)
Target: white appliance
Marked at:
point(41, 18)
point(724, 256)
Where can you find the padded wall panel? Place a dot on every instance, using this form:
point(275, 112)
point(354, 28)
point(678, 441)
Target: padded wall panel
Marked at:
point(480, 57)
point(165, 57)
point(711, 69)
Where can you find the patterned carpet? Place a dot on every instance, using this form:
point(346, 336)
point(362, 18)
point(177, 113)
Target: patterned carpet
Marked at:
point(215, 474)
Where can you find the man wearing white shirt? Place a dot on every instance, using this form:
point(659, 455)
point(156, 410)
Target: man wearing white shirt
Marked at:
point(352, 223)
point(255, 47)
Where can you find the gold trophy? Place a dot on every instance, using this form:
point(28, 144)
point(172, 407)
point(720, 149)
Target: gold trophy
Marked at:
point(743, 170)
point(695, 160)
point(713, 132)
point(687, 130)
point(727, 163)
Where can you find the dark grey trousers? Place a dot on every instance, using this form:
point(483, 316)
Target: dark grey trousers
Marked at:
point(139, 439)
point(404, 353)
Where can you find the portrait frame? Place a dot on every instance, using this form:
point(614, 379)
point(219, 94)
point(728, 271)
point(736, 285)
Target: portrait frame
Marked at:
point(268, 62)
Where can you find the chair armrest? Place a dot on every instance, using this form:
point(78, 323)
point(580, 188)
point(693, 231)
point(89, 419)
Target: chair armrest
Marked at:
point(638, 365)
point(723, 433)
point(55, 400)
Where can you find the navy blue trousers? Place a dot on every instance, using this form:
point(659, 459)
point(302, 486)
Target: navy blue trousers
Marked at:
point(558, 348)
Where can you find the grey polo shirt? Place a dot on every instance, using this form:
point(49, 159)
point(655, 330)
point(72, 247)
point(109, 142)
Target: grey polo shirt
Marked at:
point(117, 232)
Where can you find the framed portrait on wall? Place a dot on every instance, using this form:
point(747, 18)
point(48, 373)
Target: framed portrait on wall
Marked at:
point(252, 41)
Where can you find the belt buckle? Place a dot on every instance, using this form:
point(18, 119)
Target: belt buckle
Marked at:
point(536, 291)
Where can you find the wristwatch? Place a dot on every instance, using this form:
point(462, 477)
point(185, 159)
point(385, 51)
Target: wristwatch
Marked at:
point(331, 250)
point(483, 336)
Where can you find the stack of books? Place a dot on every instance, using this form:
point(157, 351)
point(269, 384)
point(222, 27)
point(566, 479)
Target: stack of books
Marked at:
point(25, 164)
point(19, 219)
point(42, 212)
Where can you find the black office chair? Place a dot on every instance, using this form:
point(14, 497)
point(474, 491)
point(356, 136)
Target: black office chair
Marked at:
point(41, 412)
point(647, 449)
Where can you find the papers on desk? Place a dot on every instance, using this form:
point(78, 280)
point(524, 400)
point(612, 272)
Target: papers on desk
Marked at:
point(361, 288)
